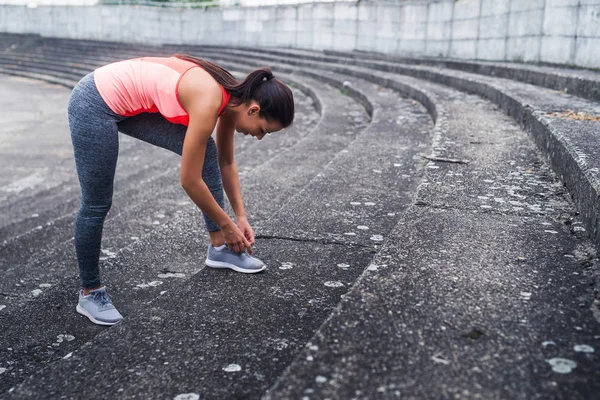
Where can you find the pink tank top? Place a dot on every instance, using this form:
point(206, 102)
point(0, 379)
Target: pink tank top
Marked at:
point(146, 85)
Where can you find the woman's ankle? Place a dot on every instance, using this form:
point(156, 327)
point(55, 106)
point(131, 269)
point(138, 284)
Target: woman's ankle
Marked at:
point(216, 238)
point(86, 291)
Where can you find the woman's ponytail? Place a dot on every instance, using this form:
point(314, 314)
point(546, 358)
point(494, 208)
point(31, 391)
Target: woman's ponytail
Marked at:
point(274, 97)
point(245, 90)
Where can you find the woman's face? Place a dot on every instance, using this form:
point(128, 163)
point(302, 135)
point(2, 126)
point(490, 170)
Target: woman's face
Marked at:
point(250, 123)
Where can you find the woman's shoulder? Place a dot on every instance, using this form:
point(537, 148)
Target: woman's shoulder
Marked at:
point(198, 87)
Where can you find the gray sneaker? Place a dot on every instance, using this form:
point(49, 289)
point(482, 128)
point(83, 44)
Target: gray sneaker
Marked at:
point(240, 262)
point(98, 307)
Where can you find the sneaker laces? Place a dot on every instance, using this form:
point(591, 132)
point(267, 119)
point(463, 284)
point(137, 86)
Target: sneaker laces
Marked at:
point(241, 255)
point(101, 298)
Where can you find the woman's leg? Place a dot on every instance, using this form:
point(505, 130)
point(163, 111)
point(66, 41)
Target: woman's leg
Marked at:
point(95, 142)
point(153, 128)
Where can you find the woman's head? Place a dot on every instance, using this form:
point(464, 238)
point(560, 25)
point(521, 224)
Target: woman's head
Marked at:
point(264, 103)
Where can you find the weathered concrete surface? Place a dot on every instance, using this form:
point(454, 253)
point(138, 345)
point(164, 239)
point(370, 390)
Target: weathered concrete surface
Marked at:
point(182, 341)
point(475, 310)
point(579, 82)
point(42, 111)
point(360, 195)
point(501, 173)
point(471, 296)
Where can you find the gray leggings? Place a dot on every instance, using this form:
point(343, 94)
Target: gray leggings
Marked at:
point(94, 132)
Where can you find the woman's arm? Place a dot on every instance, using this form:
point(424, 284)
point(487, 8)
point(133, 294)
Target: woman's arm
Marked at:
point(231, 181)
point(192, 161)
point(202, 102)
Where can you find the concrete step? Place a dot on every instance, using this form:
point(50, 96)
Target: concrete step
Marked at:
point(474, 294)
point(38, 76)
point(46, 170)
point(576, 81)
point(263, 324)
point(378, 175)
point(25, 214)
point(182, 250)
point(136, 210)
point(53, 68)
point(11, 41)
point(25, 43)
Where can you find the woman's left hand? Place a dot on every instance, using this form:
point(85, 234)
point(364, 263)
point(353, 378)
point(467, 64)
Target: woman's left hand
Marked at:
point(244, 226)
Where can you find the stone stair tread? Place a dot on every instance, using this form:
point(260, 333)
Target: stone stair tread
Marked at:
point(450, 62)
point(361, 193)
point(190, 343)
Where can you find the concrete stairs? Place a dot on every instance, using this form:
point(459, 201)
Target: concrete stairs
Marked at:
point(419, 244)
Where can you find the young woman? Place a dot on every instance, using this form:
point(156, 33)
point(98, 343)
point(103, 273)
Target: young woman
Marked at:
point(174, 103)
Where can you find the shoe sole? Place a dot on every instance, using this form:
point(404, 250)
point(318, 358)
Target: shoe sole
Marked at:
point(83, 311)
point(220, 264)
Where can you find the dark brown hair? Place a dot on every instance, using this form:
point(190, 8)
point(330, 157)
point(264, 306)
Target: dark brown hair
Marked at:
point(274, 97)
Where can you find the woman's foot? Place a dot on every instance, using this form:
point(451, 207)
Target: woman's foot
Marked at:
point(98, 307)
point(222, 257)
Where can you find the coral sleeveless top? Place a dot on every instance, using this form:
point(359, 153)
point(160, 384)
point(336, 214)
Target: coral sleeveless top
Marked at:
point(146, 85)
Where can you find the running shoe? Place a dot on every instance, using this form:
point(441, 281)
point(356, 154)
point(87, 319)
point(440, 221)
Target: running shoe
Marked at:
point(240, 262)
point(98, 307)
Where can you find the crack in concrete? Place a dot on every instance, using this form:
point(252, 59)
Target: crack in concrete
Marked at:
point(320, 241)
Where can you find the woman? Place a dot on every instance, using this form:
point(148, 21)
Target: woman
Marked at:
point(174, 103)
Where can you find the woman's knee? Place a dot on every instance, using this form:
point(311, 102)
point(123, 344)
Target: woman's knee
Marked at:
point(96, 211)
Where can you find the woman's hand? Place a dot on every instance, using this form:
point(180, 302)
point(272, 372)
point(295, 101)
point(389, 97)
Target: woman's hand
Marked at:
point(244, 226)
point(235, 239)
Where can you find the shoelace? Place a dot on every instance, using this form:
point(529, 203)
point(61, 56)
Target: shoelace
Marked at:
point(241, 255)
point(101, 298)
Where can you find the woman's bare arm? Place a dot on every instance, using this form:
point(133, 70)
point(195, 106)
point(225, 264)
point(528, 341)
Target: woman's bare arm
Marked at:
point(231, 181)
point(201, 100)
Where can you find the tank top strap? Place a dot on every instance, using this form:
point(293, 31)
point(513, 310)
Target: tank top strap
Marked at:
point(226, 97)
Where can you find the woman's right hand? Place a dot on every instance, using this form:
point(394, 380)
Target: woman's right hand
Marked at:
point(234, 238)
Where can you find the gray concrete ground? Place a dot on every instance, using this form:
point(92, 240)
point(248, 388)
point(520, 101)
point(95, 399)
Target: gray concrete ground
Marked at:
point(390, 275)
